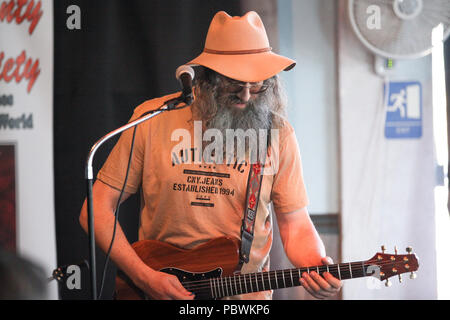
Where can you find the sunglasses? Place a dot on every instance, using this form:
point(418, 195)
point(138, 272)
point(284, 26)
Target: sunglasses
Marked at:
point(235, 88)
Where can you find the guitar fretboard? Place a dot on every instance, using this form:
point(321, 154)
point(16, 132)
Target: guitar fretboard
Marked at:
point(278, 279)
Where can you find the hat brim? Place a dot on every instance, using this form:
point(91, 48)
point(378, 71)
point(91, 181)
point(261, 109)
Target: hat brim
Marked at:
point(245, 67)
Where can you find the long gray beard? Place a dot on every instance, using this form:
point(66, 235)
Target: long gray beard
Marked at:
point(256, 115)
point(255, 118)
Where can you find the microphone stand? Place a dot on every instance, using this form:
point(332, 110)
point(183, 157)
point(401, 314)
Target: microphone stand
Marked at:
point(89, 175)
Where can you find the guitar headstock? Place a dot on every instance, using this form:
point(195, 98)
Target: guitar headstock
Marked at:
point(384, 265)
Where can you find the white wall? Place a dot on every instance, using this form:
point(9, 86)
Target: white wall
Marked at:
point(387, 185)
point(307, 35)
point(383, 189)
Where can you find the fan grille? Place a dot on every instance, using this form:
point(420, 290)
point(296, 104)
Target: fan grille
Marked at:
point(398, 37)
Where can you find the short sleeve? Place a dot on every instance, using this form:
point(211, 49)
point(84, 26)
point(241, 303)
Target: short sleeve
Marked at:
point(113, 172)
point(288, 190)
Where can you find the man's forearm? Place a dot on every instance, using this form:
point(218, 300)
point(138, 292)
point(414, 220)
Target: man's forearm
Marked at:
point(305, 248)
point(301, 241)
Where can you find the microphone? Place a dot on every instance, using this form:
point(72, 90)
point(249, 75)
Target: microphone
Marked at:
point(185, 74)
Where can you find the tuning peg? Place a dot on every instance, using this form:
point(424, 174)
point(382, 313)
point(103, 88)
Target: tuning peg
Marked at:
point(409, 250)
point(413, 275)
point(388, 283)
point(400, 278)
point(383, 248)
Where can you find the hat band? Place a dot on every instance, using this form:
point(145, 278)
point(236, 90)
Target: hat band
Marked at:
point(252, 51)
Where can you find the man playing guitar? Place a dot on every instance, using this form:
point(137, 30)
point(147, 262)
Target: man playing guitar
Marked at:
point(188, 200)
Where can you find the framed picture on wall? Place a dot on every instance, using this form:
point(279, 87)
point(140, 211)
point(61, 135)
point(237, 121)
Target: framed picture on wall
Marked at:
point(8, 196)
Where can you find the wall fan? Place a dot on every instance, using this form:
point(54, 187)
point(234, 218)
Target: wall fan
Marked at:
point(399, 29)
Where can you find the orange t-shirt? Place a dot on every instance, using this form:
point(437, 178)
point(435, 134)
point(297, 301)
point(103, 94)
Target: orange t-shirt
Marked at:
point(185, 202)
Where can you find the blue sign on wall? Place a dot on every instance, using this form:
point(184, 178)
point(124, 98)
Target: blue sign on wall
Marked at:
point(403, 110)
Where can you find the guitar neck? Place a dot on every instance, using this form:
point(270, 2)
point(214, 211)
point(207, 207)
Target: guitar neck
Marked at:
point(279, 279)
point(190, 266)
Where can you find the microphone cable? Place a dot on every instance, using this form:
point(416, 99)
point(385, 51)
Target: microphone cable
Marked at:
point(116, 212)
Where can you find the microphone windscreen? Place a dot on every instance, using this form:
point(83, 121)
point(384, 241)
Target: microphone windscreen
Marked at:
point(184, 69)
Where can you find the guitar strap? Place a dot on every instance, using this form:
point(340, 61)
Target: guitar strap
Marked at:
point(255, 177)
point(254, 183)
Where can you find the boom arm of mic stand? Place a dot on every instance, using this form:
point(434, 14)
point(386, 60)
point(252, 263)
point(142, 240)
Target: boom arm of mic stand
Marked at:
point(89, 175)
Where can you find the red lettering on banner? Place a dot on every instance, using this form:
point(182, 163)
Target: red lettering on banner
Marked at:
point(12, 69)
point(13, 9)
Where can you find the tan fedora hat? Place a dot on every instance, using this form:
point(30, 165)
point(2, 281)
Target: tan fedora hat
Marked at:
point(238, 48)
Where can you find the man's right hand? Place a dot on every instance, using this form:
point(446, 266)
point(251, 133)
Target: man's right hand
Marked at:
point(163, 286)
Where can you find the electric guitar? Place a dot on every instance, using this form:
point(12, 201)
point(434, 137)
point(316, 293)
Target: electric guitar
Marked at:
point(209, 269)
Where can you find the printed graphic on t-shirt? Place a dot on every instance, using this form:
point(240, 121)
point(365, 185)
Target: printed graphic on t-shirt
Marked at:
point(207, 182)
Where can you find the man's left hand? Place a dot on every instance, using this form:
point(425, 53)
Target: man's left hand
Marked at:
point(321, 287)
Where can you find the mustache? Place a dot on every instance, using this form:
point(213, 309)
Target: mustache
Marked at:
point(231, 99)
point(227, 102)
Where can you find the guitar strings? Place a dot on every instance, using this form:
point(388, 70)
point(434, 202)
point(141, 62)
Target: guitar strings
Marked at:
point(342, 267)
point(223, 286)
point(221, 283)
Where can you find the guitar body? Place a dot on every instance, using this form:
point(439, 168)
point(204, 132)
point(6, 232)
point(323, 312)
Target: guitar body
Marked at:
point(216, 258)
